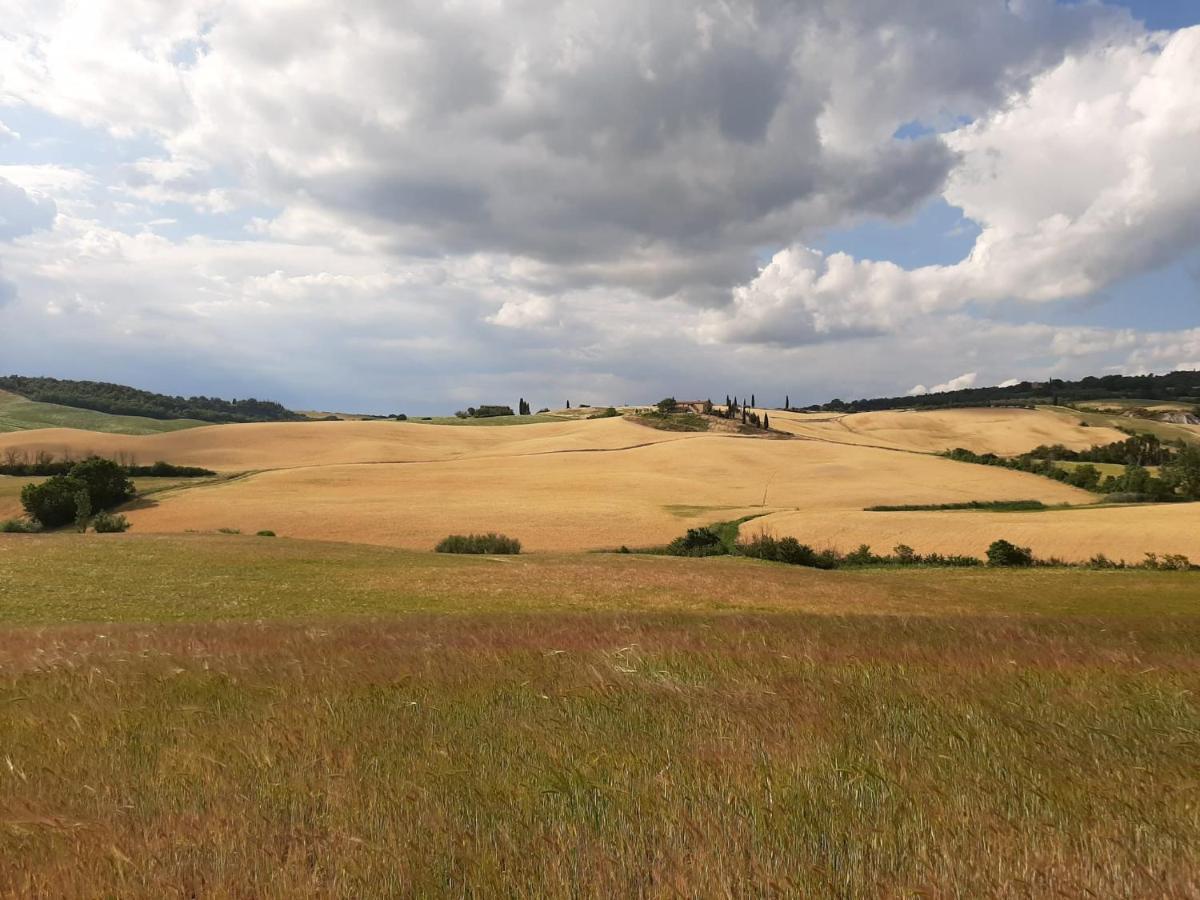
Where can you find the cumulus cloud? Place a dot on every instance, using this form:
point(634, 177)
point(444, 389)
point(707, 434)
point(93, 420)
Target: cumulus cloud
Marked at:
point(1085, 179)
point(620, 194)
point(21, 212)
point(962, 382)
point(690, 133)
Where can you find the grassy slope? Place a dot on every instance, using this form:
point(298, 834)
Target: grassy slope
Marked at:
point(19, 414)
point(1165, 431)
point(379, 722)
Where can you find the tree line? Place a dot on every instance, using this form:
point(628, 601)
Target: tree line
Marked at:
point(1174, 387)
point(121, 400)
point(1178, 478)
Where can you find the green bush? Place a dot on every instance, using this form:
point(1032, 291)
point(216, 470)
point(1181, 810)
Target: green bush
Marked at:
point(490, 543)
point(698, 542)
point(610, 413)
point(108, 483)
point(1003, 553)
point(53, 502)
point(107, 523)
point(266, 532)
point(19, 526)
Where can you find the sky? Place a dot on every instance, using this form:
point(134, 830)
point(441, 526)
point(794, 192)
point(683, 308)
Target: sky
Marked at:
point(381, 206)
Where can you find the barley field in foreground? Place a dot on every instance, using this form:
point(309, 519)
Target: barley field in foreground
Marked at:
point(235, 716)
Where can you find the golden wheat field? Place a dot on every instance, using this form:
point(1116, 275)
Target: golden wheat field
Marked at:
point(577, 485)
point(1004, 432)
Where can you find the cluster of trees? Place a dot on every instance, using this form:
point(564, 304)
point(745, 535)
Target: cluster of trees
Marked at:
point(1175, 386)
point(1178, 478)
point(19, 463)
point(119, 399)
point(733, 409)
point(1138, 450)
point(484, 412)
point(488, 544)
point(90, 487)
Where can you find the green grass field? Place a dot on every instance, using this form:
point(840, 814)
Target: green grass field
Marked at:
point(19, 414)
point(241, 716)
point(1105, 469)
point(1165, 431)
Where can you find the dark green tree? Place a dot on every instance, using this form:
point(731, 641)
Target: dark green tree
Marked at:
point(1182, 474)
point(53, 502)
point(1003, 553)
point(766, 421)
point(107, 482)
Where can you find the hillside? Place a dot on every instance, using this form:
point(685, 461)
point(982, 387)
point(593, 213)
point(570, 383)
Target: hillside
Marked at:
point(20, 414)
point(1175, 387)
point(119, 399)
point(577, 485)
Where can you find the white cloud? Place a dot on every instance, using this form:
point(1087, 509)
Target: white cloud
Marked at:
point(962, 382)
point(1086, 179)
point(399, 185)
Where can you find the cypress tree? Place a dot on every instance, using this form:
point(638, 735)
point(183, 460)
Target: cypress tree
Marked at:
point(752, 403)
point(787, 402)
point(766, 421)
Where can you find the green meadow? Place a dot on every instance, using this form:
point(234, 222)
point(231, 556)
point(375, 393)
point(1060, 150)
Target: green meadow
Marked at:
point(229, 715)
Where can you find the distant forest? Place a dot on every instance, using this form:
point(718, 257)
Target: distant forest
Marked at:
point(126, 401)
point(1177, 386)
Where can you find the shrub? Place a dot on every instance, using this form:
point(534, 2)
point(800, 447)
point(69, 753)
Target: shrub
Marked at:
point(794, 553)
point(610, 413)
point(229, 531)
point(53, 502)
point(697, 542)
point(761, 546)
point(265, 533)
point(19, 526)
point(1003, 553)
point(490, 543)
point(107, 482)
point(861, 557)
point(107, 523)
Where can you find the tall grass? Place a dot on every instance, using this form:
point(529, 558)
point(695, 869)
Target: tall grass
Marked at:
point(622, 755)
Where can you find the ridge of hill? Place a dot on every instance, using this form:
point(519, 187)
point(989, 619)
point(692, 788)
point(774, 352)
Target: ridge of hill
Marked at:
point(1176, 387)
point(122, 400)
point(20, 414)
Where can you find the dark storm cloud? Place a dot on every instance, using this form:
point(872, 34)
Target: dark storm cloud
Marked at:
point(581, 134)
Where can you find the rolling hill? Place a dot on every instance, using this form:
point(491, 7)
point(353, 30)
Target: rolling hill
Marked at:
point(576, 485)
point(21, 414)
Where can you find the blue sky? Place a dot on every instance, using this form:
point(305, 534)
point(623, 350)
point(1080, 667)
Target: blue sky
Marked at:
point(417, 209)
